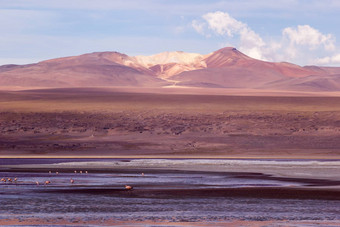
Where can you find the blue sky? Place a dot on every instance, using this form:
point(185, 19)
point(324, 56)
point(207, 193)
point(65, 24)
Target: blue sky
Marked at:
point(298, 31)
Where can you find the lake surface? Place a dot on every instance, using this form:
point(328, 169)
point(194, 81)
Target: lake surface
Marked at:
point(161, 192)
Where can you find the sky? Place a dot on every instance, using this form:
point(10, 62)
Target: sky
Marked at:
point(304, 32)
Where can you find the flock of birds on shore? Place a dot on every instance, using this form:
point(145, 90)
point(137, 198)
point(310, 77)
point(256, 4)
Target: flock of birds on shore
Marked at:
point(15, 179)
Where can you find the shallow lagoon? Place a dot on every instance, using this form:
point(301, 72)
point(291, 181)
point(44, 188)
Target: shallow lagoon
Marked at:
point(164, 190)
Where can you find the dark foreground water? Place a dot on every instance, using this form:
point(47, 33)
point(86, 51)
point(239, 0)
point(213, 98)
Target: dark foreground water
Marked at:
point(159, 194)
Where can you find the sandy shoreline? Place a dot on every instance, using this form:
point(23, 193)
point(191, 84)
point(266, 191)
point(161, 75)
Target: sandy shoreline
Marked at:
point(325, 169)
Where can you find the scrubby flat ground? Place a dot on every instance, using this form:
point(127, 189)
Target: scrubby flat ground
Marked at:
point(118, 122)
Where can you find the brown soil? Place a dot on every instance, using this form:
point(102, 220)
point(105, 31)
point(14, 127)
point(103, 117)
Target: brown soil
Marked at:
point(92, 122)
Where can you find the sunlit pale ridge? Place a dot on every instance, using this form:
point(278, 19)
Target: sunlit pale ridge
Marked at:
point(167, 64)
point(179, 57)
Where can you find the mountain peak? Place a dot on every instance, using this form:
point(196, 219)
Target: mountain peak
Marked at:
point(226, 49)
point(227, 56)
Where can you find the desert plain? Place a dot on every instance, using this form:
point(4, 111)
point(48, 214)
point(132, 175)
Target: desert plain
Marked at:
point(168, 122)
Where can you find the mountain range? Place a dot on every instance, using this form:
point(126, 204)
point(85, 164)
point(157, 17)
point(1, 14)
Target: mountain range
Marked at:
point(224, 68)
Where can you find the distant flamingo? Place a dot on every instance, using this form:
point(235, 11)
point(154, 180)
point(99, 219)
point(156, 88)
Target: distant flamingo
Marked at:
point(143, 174)
point(86, 172)
point(37, 182)
point(47, 182)
point(56, 172)
point(72, 181)
point(75, 171)
point(9, 179)
point(80, 172)
point(128, 187)
point(3, 180)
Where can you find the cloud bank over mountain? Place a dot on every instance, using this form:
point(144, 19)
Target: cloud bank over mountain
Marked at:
point(302, 32)
point(300, 42)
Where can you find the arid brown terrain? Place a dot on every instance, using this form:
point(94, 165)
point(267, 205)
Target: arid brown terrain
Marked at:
point(224, 68)
point(111, 122)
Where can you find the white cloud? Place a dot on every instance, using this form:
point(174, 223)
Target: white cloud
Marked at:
point(305, 43)
point(301, 44)
point(199, 27)
point(252, 44)
point(308, 36)
point(223, 24)
point(333, 60)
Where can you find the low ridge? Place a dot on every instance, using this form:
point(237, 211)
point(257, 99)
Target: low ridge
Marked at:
point(226, 68)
